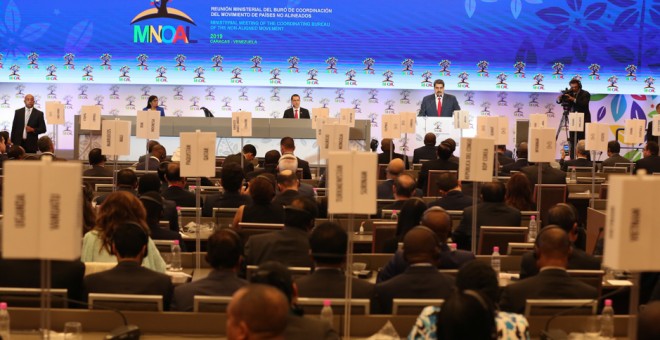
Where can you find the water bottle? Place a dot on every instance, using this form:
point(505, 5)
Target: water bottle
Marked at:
point(607, 321)
point(4, 321)
point(178, 216)
point(453, 246)
point(176, 257)
point(573, 177)
point(361, 230)
point(495, 260)
point(395, 216)
point(533, 230)
point(326, 312)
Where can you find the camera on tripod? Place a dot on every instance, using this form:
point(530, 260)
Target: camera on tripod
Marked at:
point(564, 98)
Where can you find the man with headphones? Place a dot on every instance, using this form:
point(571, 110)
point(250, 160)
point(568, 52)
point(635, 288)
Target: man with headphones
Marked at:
point(579, 102)
point(421, 280)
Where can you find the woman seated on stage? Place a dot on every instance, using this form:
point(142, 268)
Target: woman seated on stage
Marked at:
point(152, 104)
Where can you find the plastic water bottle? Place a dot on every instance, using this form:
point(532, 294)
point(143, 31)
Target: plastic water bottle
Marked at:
point(326, 312)
point(176, 257)
point(607, 321)
point(495, 261)
point(573, 177)
point(453, 246)
point(533, 230)
point(178, 216)
point(4, 321)
point(395, 216)
point(361, 230)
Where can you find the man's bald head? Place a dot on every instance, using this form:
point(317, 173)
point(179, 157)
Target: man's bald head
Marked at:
point(404, 186)
point(29, 101)
point(553, 244)
point(257, 311)
point(395, 168)
point(438, 220)
point(420, 246)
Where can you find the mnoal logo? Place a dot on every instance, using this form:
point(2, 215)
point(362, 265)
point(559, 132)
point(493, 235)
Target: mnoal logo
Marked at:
point(502, 99)
point(161, 77)
point(68, 61)
point(199, 75)
point(82, 91)
point(180, 62)
point(33, 63)
point(534, 100)
point(142, 62)
point(51, 92)
point(162, 34)
point(550, 110)
point(162, 102)
point(131, 103)
point(631, 69)
point(105, 61)
point(195, 103)
point(538, 82)
point(5, 101)
point(594, 68)
point(217, 62)
point(340, 96)
point(649, 85)
point(332, 65)
point(210, 96)
point(373, 117)
point(350, 78)
point(145, 91)
point(469, 98)
point(324, 102)
point(520, 69)
point(243, 94)
point(444, 64)
point(388, 78)
point(227, 104)
point(99, 100)
point(558, 71)
point(485, 108)
point(19, 90)
point(312, 77)
point(275, 94)
point(114, 92)
point(389, 106)
point(369, 66)
point(68, 129)
point(275, 77)
point(293, 64)
point(67, 102)
point(14, 72)
point(308, 95)
point(274, 114)
point(501, 81)
point(260, 104)
point(519, 107)
point(483, 68)
point(613, 87)
point(236, 78)
point(123, 74)
point(408, 66)
point(463, 76)
point(356, 105)
point(426, 79)
point(177, 92)
point(51, 72)
point(88, 73)
point(373, 94)
point(405, 97)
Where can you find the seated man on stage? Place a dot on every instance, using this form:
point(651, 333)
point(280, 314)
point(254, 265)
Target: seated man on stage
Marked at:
point(439, 104)
point(295, 111)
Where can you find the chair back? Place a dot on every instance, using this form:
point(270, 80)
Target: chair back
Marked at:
point(490, 237)
point(313, 306)
point(153, 303)
point(296, 272)
point(551, 194)
point(210, 304)
point(456, 217)
point(164, 246)
point(593, 278)
point(382, 171)
point(519, 248)
point(432, 181)
point(382, 232)
point(552, 306)
point(189, 211)
point(413, 306)
point(31, 297)
point(526, 216)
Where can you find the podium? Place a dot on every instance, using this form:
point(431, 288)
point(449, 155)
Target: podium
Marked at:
point(442, 127)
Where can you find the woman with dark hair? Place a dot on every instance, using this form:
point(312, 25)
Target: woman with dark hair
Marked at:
point(152, 104)
point(262, 209)
point(88, 211)
point(410, 216)
point(519, 193)
point(465, 311)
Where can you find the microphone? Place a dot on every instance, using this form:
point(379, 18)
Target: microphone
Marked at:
point(124, 332)
point(546, 334)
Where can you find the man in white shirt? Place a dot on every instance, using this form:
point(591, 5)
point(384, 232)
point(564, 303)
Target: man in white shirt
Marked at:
point(28, 124)
point(439, 104)
point(296, 112)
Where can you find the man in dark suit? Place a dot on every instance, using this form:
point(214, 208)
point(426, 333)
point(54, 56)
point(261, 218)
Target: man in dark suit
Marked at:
point(549, 175)
point(428, 151)
point(290, 162)
point(613, 157)
point(578, 101)
point(290, 246)
point(438, 220)
point(581, 157)
point(28, 124)
point(257, 312)
point(451, 144)
point(151, 183)
point(521, 161)
point(158, 154)
point(553, 248)
point(126, 181)
point(288, 146)
point(27, 274)
point(385, 190)
point(421, 280)
point(223, 254)
point(328, 243)
point(384, 158)
point(563, 216)
point(129, 244)
point(439, 104)
point(97, 161)
point(404, 188)
point(176, 187)
point(249, 153)
point(287, 185)
point(298, 327)
point(452, 197)
point(492, 211)
point(271, 160)
point(442, 163)
point(231, 178)
point(651, 160)
point(502, 158)
point(295, 111)
point(47, 148)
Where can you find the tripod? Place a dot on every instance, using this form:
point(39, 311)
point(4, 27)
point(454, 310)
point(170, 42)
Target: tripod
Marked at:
point(564, 124)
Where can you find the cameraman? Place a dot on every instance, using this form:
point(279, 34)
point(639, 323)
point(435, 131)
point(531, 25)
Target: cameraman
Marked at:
point(577, 100)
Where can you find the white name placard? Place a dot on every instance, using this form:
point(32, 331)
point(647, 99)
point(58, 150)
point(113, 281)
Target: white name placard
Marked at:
point(596, 136)
point(317, 113)
point(408, 122)
point(542, 145)
point(352, 179)
point(55, 112)
point(477, 157)
point(347, 117)
point(90, 117)
point(116, 137)
point(576, 121)
point(241, 124)
point(635, 130)
point(197, 154)
point(391, 126)
point(538, 121)
point(461, 119)
point(148, 124)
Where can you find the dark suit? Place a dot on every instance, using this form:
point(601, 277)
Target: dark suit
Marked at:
point(224, 200)
point(515, 166)
point(615, 158)
point(129, 277)
point(651, 164)
point(290, 246)
point(331, 283)
point(579, 162)
point(581, 105)
point(448, 260)
point(549, 175)
point(396, 205)
point(304, 165)
point(577, 260)
point(36, 121)
point(101, 199)
point(428, 152)
point(429, 106)
point(438, 164)
point(154, 163)
point(649, 133)
point(502, 159)
point(302, 328)
point(27, 274)
point(416, 282)
point(236, 158)
point(384, 158)
point(98, 171)
point(286, 197)
point(385, 190)
point(217, 283)
point(488, 214)
point(182, 197)
point(548, 284)
point(453, 200)
point(302, 113)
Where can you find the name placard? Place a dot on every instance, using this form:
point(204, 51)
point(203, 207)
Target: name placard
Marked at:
point(542, 145)
point(55, 112)
point(477, 157)
point(461, 119)
point(408, 122)
point(148, 124)
point(317, 113)
point(538, 121)
point(352, 182)
point(635, 130)
point(116, 137)
point(241, 124)
point(391, 126)
point(596, 136)
point(90, 117)
point(576, 121)
point(197, 154)
point(347, 117)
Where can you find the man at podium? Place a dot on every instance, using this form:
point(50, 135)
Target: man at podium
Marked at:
point(295, 111)
point(439, 104)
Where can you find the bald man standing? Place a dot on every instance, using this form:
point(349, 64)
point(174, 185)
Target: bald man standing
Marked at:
point(28, 124)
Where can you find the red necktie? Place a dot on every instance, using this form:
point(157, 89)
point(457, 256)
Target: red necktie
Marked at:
point(439, 106)
point(295, 114)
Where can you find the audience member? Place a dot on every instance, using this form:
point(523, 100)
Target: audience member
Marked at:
point(150, 147)
point(5, 137)
point(492, 211)
point(613, 157)
point(129, 244)
point(231, 179)
point(16, 152)
point(549, 175)
point(581, 157)
point(384, 158)
point(288, 146)
point(404, 188)
point(127, 181)
point(651, 160)
point(156, 155)
point(442, 163)
point(224, 251)
point(153, 206)
point(176, 190)
point(97, 161)
point(648, 327)
point(257, 312)
point(88, 210)
point(439, 221)
point(261, 209)
point(290, 162)
point(521, 160)
point(427, 152)
point(421, 280)
point(328, 243)
point(450, 190)
point(564, 216)
point(247, 154)
point(287, 183)
point(385, 189)
point(451, 144)
point(502, 158)
point(47, 148)
point(409, 216)
point(119, 208)
point(519, 193)
point(162, 170)
point(151, 183)
point(552, 249)
point(298, 327)
point(271, 159)
point(467, 315)
point(290, 246)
